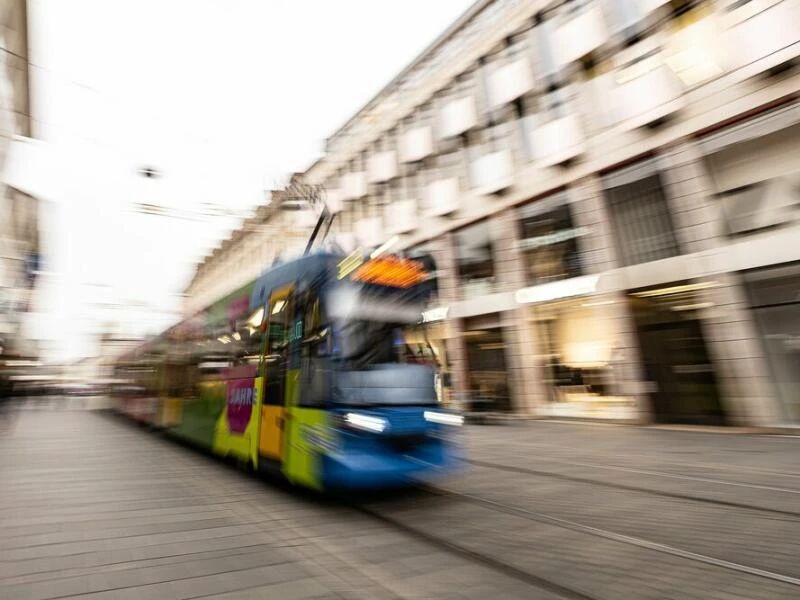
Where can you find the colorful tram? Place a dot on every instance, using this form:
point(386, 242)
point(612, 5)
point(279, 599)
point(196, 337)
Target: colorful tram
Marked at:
point(315, 371)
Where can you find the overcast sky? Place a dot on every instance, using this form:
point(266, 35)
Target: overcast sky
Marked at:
point(223, 97)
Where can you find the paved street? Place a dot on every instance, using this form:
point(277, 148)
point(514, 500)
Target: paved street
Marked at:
point(92, 507)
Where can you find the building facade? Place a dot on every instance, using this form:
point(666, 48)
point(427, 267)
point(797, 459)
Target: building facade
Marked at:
point(278, 228)
point(20, 249)
point(611, 189)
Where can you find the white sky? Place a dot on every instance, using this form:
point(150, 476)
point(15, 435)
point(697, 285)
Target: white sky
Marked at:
point(223, 96)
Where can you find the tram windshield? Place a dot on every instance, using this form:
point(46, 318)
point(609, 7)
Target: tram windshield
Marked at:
point(369, 325)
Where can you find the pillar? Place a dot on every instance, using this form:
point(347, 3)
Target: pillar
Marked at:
point(523, 354)
point(727, 321)
point(598, 256)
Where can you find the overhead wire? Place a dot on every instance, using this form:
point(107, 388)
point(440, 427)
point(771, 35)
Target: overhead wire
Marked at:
point(197, 216)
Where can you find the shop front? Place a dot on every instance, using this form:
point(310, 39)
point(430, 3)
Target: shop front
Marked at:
point(582, 359)
point(574, 327)
point(679, 372)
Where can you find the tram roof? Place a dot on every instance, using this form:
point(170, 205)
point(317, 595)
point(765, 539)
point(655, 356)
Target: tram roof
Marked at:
point(280, 275)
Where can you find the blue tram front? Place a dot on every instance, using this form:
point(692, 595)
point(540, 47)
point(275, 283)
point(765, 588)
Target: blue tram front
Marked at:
point(385, 389)
point(366, 411)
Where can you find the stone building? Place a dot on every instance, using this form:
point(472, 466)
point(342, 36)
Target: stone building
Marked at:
point(278, 228)
point(20, 250)
point(611, 190)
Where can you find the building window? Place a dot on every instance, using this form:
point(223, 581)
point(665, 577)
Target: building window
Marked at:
point(643, 228)
point(776, 306)
point(475, 255)
point(549, 241)
point(757, 181)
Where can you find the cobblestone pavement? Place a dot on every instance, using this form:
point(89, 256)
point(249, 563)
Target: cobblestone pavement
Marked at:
point(92, 507)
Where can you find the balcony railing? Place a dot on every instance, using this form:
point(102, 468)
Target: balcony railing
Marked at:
point(492, 172)
point(354, 185)
point(580, 34)
point(442, 197)
point(764, 33)
point(416, 144)
point(382, 167)
point(555, 142)
point(646, 91)
point(401, 217)
point(457, 116)
point(509, 82)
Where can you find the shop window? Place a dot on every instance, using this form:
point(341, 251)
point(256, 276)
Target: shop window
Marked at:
point(488, 372)
point(583, 361)
point(549, 241)
point(475, 256)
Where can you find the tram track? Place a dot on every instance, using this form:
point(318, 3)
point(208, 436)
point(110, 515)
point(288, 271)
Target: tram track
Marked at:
point(615, 536)
point(538, 581)
point(641, 489)
point(480, 558)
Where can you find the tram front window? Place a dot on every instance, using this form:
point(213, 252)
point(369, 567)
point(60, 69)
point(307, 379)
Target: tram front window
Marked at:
point(376, 362)
point(364, 343)
point(367, 324)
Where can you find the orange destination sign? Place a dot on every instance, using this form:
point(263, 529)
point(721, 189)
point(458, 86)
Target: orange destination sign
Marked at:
point(390, 271)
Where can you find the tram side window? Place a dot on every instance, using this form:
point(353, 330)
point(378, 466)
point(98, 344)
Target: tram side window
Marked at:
point(188, 372)
point(177, 377)
point(245, 345)
point(210, 357)
point(147, 376)
point(253, 338)
point(277, 330)
point(275, 361)
point(314, 365)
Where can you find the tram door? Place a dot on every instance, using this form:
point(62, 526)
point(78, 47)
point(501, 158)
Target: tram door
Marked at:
point(276, 357)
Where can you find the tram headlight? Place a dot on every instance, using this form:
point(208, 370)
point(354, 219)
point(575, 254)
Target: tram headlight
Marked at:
point(366, 422)
point(444, 418)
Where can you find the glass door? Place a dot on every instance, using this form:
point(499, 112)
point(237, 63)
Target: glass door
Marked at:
point(276, 357)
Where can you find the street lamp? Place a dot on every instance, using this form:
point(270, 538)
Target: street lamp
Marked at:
point(149, 172)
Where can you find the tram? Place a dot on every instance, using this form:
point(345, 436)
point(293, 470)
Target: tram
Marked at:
point(319, 370)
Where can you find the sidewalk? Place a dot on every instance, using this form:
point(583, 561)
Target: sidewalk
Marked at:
point(646, 446)
point(95, 508)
